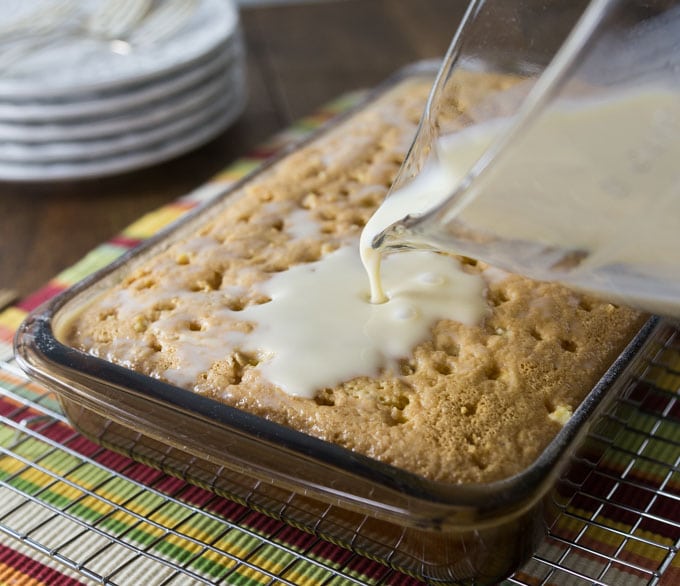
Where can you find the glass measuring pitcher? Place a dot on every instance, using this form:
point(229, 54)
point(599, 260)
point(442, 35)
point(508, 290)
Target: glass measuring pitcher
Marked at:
point(568, 168)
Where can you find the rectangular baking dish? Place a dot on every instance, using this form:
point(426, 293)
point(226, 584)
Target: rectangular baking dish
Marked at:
point(439, 532)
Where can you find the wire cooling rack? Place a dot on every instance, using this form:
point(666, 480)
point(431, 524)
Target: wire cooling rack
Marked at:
point(103, 518)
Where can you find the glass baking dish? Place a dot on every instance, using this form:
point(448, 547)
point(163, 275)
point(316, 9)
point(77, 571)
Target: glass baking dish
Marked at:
point(443, 533)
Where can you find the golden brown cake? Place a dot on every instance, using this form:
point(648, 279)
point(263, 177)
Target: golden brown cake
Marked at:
point(470, 404)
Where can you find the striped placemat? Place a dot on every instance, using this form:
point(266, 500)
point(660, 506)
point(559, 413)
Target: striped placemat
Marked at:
point(72, 512)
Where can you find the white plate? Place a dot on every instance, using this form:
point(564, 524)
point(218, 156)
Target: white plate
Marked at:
point(128, 161)
point(76, 64)
point(115, 103)
point(148, 115)
point(227, 89)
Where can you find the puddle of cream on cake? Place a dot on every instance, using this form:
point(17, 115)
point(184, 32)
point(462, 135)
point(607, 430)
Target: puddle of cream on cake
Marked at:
point(584, 193)
point(319, 328)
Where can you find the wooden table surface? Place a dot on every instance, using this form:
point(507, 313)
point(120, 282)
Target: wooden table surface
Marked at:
point(300, 55)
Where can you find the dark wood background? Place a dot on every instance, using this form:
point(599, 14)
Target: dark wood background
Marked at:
point(300, 55)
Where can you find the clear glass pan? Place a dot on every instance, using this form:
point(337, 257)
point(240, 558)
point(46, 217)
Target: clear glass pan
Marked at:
point(441, 532)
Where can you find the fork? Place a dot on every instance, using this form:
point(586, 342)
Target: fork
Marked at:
point(111, 21)
point(166, 20)
point(38, 22)
point(117, 18)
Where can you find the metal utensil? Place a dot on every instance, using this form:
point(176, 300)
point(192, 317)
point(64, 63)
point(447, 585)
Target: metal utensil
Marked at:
point(37, 22)
point(165, 20)
point(111, 22)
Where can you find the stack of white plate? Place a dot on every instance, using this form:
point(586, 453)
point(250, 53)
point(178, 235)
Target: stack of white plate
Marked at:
point(76, 101)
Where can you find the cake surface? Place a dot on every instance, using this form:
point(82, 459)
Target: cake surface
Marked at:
point(469, 404)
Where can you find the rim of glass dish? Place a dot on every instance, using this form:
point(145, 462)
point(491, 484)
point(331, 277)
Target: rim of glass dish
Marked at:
point(37, 336)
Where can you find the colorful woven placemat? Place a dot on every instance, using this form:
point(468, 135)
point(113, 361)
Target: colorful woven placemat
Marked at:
point(72, 512)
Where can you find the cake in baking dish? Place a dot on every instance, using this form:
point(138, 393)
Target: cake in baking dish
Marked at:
point(469, 402)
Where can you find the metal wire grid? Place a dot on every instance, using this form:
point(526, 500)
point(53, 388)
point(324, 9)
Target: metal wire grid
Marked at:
point(584, 546)
point(632, 508)
point(111, 558)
